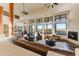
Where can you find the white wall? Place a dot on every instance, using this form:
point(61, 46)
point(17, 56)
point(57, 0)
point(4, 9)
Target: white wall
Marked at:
point(73, 14)
point(16, 22)
point(25, 20)
point(5, 20)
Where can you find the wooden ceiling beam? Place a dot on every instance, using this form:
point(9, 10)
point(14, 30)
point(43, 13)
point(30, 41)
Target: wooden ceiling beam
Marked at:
point(7, 14)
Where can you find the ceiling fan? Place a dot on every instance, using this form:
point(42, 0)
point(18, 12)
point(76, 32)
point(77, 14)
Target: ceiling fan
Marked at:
point(48, 5)
point(24, 11)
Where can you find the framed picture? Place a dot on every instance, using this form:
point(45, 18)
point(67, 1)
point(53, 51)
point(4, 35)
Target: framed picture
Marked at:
point(15, 28)
point(5, 28)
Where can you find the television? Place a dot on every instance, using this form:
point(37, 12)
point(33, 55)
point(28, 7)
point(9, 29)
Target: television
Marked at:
point(73, 35)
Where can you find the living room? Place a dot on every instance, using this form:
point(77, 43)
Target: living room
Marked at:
point(56, 22)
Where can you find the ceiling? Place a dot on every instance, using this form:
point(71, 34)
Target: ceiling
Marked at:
point(29, 7)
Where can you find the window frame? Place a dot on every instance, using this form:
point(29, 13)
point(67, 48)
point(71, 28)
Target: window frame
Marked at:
point(46, 24)
point(53, 22)
point(39, 29)
point(60, 31)
point(61, 21)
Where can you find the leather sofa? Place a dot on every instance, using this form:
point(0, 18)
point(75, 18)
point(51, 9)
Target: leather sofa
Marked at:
point(39, 37)
point(39, 48)
point(35, 47)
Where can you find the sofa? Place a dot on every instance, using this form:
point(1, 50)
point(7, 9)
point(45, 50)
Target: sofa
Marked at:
point(40, 48)
point(39, 37)
point(30, 45)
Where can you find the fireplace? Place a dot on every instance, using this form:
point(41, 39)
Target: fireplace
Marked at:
point(73, 35)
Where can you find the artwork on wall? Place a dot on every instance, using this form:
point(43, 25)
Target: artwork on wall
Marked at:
point(5, 28)
point(15, 28)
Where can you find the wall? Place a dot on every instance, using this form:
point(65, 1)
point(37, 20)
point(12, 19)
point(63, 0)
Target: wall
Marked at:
point(73, 9)
point(17, 22)
point(25, 20)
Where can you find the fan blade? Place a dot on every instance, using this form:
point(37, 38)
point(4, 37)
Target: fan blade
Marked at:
point(48, 6)
point(52, 5)
point(55, 3)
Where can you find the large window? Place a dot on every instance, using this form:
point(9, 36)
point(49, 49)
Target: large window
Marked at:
point(61, 24)
point(39, 20)
point(47, 28)
point(48, 19)
point(32, 29)
point(32, 21)
point(46, 25)
point(62, 17)
point(60, 28)
point(39, 28)
point(39, 25)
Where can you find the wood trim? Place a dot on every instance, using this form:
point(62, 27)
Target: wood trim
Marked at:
point(7, 14)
